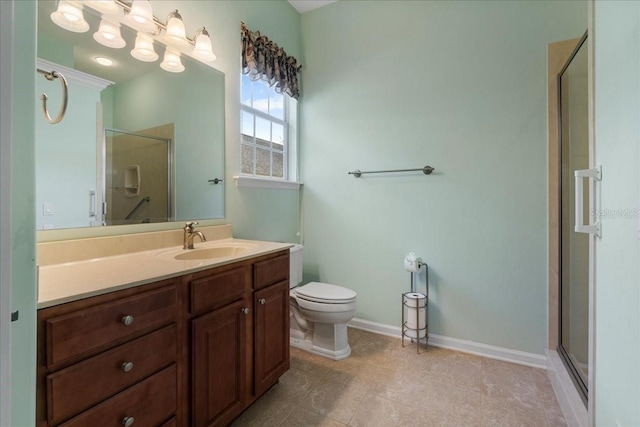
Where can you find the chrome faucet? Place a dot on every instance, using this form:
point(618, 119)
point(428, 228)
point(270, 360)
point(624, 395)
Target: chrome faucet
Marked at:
point(190, 233)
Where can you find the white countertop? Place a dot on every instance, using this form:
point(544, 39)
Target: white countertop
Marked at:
point(62, 283)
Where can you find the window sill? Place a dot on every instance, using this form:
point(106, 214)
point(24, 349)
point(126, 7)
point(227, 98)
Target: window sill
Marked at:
point(253, 182)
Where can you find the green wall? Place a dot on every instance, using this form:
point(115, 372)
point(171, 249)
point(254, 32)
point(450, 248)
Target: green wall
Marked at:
point(254, 213)
point(460, 86)
point(617, 140)
point(141, 103)
point(23, 224)
point(65, 155)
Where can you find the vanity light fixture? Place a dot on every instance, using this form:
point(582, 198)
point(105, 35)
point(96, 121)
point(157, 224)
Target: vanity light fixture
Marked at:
point(138, 14)
point(171, 61)
point(143, 50)
point(107, 7)
point(175, 34)
point(108, 35)
point(203, 50)
point(141, 17)
point(70, 17)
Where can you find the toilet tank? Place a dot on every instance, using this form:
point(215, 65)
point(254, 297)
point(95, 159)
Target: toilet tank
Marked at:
point(295, 265)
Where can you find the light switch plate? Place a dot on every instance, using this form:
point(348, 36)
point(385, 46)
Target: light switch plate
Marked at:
point(47, 208)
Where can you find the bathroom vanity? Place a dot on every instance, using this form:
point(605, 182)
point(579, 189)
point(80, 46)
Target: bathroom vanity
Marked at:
point(194, 346)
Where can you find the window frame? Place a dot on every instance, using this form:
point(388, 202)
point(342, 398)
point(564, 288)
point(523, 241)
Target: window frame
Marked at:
point(256, 113)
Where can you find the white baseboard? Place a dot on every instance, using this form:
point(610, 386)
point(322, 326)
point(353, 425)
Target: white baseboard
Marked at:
point(573, 409)
point(466, 346)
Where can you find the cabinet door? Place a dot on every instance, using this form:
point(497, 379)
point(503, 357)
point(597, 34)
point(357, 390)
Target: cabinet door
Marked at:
point(271, 335)
point(219, 351)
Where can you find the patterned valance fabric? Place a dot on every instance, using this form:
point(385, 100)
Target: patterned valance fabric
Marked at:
point(264, 60)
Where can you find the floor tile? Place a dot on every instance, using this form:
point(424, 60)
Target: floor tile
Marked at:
point(385, 384)
point(305, 417)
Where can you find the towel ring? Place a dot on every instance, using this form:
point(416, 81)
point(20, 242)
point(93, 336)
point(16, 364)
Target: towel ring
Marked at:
point(65, 98)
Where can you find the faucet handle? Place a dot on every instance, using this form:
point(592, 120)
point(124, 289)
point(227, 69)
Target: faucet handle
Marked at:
point(190, 225)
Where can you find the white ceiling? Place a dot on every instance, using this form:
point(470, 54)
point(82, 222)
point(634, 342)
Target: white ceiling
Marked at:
point(303, 6)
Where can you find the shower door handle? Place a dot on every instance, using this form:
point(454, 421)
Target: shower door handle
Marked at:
point(580, 226)
point(92, 203)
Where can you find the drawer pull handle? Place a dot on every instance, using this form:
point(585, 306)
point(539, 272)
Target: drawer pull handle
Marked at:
point(127, 366)
point(127, 320)
point(127, 421)
point(245, 311)
point(262, 301)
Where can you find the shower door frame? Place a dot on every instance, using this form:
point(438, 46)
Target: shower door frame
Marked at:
point(582, 386)
point(573, 407)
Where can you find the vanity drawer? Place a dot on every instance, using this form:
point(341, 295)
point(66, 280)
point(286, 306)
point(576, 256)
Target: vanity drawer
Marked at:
point(150, 403)
point(82, 331)
point(217, 290)
point(271, 271)
point(76, 388)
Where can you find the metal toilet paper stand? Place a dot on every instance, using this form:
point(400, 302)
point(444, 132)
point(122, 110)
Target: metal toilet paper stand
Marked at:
point(417, 297)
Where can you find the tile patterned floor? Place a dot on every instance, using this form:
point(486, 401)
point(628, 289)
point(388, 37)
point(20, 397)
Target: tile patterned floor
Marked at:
point(383, 384)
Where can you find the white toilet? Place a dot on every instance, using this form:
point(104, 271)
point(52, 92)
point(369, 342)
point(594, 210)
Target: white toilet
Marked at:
point(319, 313)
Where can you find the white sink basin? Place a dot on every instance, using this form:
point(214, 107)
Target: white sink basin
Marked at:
point(208, 252)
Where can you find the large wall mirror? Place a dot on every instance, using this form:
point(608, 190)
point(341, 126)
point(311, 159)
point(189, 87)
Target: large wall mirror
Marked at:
point(137, 145)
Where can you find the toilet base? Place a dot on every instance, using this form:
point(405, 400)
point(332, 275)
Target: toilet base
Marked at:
point(326, 340)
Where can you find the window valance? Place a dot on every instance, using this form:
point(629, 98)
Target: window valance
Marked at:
point(263, 59)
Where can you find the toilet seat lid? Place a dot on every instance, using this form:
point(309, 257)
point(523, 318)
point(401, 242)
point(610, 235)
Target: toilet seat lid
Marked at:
point(324, 292)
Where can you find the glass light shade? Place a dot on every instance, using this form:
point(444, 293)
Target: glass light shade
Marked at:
point(70, 17)
point(143, 50)
point(172, 62)
point(108, 35)
point(140, 16)
point(108, 7)
point(175, 34)
point(203, 50)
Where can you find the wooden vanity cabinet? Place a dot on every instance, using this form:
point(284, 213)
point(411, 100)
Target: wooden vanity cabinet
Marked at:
point(220, 331)
point(271, 321)
point(110, 358)
point(196, 350)
point(239, 350)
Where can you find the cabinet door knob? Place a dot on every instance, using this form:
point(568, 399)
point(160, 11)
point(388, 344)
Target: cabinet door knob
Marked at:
point(245, 311)
point(127, 320)
point(127, 421)
point(262, 301)
point(127, 366)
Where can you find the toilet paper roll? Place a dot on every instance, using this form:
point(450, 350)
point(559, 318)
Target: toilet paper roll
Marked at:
point(412, 263)
point(415, 315)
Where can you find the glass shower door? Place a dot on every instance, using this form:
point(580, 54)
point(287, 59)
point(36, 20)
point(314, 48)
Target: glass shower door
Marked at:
point(137, 181)
point(574, 247)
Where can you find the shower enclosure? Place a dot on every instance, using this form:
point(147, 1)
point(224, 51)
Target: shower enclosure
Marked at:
point(137, 181)
point(573, 121)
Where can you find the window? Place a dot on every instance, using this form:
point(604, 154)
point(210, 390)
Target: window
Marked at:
point(265, 129)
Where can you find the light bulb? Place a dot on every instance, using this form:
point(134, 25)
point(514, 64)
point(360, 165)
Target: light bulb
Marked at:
point(143, 50)
point(203, 50)
point(108, 34)
point(108, 7)
point(140, 16)
point(70, 17)
point(171, 61)
point(104, 61)
point(175, 34)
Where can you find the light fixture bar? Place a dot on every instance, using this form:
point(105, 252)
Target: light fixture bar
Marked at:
point(127, 8)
